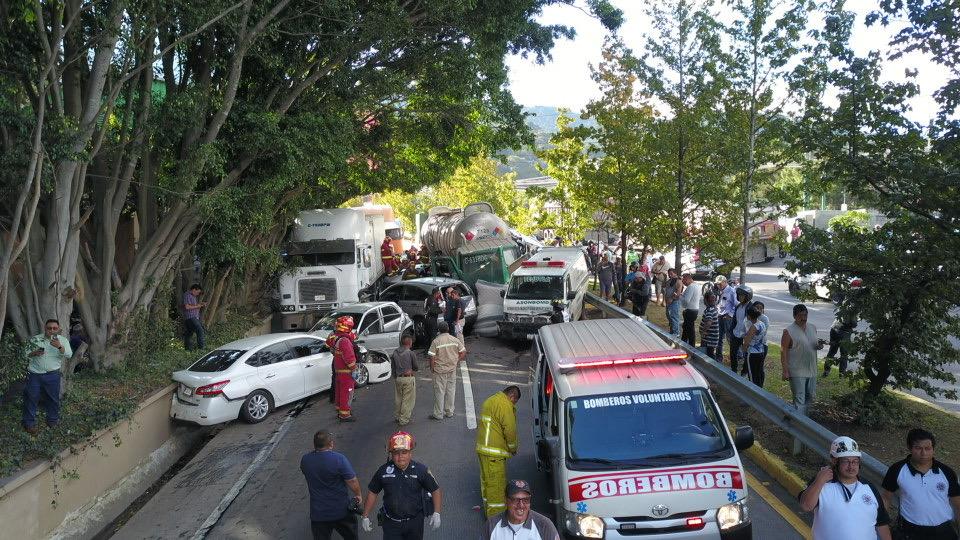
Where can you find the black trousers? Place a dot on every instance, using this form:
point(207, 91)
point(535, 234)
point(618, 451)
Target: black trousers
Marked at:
point(755, 362)
point(430, 329)
point(409, 529)
point(909, 531)
point(836, 340)
point(640, 305)
point(346, 528)
point(688, 330)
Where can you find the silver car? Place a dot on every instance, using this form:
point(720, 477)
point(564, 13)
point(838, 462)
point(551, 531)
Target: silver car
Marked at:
point(378, 325)
point(411, 294)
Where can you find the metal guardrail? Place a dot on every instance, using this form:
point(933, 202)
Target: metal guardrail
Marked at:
point(778, 411)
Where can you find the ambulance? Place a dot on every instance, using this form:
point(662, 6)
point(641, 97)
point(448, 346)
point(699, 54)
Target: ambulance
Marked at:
point(632, 439)
point(551, 274)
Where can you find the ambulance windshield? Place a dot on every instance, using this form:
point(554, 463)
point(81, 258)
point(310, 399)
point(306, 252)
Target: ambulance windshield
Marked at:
point(644, 429)
point(535, 287)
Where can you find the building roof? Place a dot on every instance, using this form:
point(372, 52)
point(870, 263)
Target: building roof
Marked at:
point(611, 338)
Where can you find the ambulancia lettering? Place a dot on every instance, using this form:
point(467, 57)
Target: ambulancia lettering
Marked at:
point(654, 482)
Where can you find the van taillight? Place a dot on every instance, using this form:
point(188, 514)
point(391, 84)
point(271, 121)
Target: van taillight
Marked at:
point(210, 390)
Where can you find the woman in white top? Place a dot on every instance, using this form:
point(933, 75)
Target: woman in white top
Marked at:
point(754, 346)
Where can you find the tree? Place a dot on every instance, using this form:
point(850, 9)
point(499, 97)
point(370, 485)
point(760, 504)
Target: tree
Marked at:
point(564, 160)
point(868, 146)
point(680, 71)
point(764, 38)
point(176, 131)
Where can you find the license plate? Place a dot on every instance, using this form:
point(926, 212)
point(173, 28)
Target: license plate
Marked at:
point(186, 390)
point(319, 298)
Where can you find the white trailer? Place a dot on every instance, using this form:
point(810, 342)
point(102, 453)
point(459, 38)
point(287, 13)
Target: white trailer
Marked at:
point(336, 260)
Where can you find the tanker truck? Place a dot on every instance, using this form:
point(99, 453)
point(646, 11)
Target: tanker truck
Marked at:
point(336, 261)
point(470, 244)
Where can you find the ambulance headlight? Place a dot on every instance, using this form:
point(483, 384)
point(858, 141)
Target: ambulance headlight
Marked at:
point(731, 515)
point(510, 317)
point(584, 525)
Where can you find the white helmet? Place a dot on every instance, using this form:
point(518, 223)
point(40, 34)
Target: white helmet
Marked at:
point(844, 447)
point(746, 291)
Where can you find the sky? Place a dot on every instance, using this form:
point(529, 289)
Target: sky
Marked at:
point(565, 81)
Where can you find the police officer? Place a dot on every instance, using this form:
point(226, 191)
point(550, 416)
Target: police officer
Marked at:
point(928, 490)
point(843, 506)
point(496, 441)
point(403, 483)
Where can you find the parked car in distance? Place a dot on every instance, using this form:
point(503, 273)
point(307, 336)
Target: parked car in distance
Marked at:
point(797, 283)
point(378, 325)
point(250, 377)
point(412, 293)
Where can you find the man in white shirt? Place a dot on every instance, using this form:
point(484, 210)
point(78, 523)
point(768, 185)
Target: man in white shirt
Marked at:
point(689, 309)
point(518, 521)
point(928, 491)
point(843, 506)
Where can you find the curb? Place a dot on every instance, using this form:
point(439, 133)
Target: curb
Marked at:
point(921, 401)
point(774, 466)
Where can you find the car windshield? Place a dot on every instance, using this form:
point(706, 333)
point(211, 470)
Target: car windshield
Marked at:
point(645, 429)
point(328, 321)
point(217, 360)
point(535, 287)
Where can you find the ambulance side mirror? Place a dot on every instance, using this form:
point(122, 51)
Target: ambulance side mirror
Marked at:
point(743, 438)
point(571, 295)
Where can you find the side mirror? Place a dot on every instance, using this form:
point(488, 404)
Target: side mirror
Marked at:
point(503, 294)
point(571, 295)
point(743, 438)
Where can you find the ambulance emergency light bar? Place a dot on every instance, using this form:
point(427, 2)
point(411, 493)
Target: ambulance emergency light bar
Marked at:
point(567, 365)
point(531, 264)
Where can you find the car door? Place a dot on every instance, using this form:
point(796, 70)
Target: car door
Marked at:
point(412, 301)
point(368, 331)
point(391, 318)
point(315, 360)
point(280, 372)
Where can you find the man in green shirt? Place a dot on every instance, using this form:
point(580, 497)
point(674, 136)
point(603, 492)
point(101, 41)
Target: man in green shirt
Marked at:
point(47, 353)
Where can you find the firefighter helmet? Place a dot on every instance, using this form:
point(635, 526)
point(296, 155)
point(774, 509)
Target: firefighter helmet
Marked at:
point(344, 324)
point(400, 440)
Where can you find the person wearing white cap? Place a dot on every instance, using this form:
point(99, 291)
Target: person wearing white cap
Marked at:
point(845, 507)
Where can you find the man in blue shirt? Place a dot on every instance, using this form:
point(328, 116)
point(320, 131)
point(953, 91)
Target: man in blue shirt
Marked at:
point(454, 312)
point(328, 476)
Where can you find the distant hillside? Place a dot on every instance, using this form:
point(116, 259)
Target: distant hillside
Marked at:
point(543, 121)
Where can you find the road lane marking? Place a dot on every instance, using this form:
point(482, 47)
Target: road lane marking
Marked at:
point(788, 515)
point(237, 487)
point(468, 397)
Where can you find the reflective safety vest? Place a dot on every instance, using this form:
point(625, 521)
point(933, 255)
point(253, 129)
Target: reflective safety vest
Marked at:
point(497, 433)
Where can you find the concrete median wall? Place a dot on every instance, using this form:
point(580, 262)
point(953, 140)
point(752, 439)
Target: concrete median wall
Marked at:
point(94, 483)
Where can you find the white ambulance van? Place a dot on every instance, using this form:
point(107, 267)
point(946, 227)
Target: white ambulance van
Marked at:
point(552, 273)
point(632, 438)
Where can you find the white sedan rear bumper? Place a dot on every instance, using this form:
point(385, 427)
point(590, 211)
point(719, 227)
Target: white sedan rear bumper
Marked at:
point(206, 411)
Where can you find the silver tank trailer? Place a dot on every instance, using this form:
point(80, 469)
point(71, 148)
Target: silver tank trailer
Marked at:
point(447, 229)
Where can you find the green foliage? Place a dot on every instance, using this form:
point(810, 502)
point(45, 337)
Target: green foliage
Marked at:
point(907, 298)
point(883, 411)
point(97, 400)
point(854, 219)
point(564, 159)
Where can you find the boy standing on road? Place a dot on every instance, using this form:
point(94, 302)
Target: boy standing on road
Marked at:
point(329, 475)
point(710, 328)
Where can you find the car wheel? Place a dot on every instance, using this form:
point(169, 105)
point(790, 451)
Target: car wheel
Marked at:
point(361, 376)
point(256, 407)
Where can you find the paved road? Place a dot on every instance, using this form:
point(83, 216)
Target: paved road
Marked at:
point(772, 291)
point(273, 501)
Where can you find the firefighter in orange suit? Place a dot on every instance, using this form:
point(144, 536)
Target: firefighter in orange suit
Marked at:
point(386, 253)
point(344, 362)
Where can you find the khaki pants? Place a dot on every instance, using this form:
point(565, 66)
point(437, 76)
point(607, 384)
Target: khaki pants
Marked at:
point(444, 393)
point(404, 398)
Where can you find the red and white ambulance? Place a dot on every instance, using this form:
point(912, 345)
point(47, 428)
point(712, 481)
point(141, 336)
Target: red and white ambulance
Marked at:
point(632, 438)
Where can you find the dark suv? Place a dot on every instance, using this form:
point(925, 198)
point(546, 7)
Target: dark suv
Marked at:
point(410, 296)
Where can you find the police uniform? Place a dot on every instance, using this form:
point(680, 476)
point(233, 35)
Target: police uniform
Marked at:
point(925, 510)
point(403, 498)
